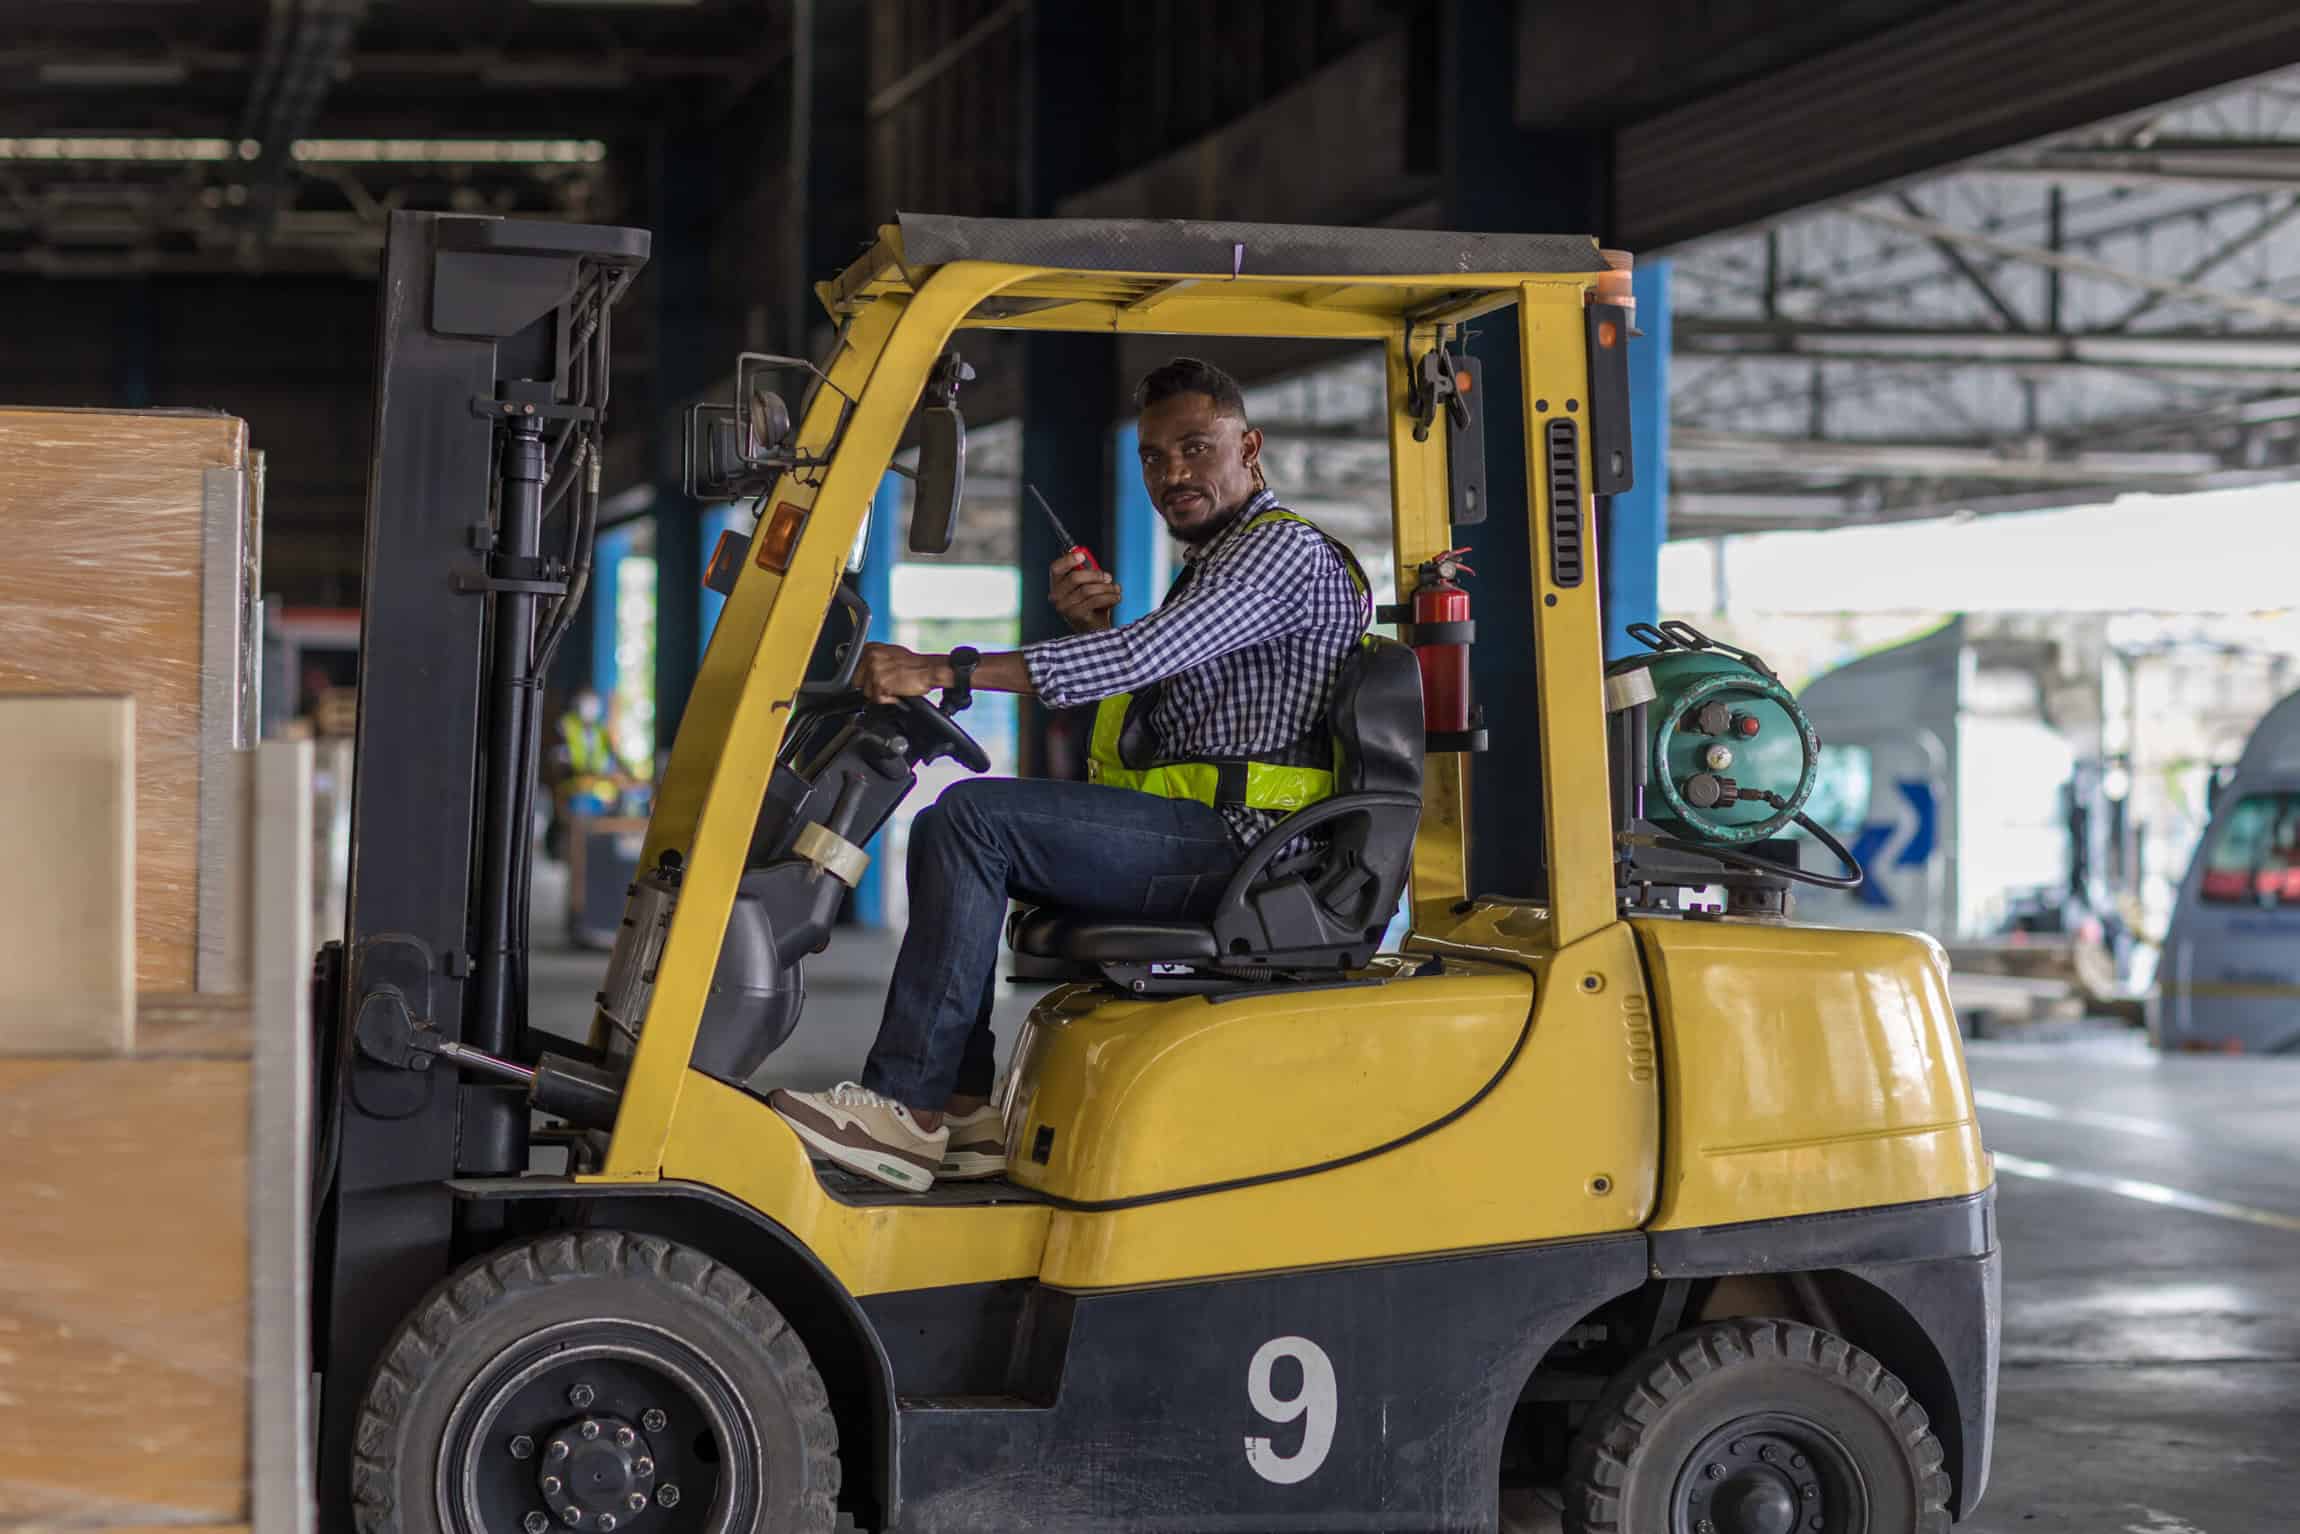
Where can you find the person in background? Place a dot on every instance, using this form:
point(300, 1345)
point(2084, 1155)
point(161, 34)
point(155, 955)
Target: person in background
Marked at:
point(583, 770)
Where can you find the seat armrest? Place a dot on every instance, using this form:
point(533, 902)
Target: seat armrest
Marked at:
point(1265, 851)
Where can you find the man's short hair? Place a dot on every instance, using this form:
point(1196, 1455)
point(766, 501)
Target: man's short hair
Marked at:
point(1188, 375)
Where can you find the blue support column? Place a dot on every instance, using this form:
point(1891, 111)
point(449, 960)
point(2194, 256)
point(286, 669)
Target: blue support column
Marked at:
point(606, 576)
point(1637, 523)
point(1134, 557)
point(881, 549)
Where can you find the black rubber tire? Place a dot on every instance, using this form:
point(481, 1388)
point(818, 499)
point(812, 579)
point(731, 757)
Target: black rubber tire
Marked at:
point(494, 1302)
point(1623, 1467)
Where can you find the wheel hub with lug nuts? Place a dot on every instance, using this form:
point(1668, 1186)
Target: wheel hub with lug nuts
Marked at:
point(598, 1473)
point(1757, 1482)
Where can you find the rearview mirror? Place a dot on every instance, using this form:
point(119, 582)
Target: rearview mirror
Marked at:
point(941, 478)
point(766, 425)
point(714, 463)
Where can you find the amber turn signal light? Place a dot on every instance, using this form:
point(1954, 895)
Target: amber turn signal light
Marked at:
point(778, 536)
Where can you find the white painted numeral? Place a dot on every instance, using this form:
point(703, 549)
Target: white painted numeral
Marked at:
point(1316, 1401)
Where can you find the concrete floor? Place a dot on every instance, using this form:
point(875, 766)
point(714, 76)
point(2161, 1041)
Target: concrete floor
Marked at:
point(2150, 1216)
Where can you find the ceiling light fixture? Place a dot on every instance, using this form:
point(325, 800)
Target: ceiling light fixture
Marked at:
point(430, 151)
point(174, 151)
point(101, 72)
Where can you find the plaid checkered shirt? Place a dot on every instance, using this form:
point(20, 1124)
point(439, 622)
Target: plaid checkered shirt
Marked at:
point(1246, 645)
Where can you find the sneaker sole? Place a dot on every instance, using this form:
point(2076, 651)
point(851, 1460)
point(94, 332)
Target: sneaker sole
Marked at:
point(971, 1166)
point(877, 1166)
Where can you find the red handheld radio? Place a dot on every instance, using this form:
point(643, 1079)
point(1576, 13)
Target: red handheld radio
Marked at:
point(1069, 544)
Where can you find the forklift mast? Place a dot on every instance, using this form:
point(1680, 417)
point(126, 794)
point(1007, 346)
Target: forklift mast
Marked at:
point(491, 387)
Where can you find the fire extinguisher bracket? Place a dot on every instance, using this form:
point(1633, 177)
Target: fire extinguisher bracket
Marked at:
point(1463, 631)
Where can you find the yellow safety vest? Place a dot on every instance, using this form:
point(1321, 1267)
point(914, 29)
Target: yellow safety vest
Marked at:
point(589, 751)
point(1256, 785)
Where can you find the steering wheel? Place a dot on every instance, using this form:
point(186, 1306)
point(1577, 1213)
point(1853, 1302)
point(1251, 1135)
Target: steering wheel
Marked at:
point(945, 730)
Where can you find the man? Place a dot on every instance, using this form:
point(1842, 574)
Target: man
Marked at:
point(582, 770)
point(1238, 662)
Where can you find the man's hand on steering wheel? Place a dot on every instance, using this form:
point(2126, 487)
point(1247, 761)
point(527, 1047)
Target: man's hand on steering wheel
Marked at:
point(888, 673)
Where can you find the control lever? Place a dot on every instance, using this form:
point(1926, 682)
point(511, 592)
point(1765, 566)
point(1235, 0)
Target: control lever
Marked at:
point(580, 1093)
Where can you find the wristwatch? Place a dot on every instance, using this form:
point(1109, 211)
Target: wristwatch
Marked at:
point(960, 692)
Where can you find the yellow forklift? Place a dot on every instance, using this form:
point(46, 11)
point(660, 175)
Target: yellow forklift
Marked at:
point(1619, 1190)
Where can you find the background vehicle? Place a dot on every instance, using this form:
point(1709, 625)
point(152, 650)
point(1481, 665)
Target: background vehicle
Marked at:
point(2230, 977)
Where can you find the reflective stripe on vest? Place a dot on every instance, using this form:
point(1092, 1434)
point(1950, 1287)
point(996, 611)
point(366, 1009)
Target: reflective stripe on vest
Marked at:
point(589, 752)
point(1256, 785)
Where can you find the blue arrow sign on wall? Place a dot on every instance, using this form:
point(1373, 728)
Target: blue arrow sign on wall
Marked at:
point(1920, 846)
point(1866, 849)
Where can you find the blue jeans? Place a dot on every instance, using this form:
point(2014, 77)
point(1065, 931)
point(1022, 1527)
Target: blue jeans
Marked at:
point(1109, 851)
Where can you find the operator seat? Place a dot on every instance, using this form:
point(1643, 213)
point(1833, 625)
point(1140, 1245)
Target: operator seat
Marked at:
point(1322, 908)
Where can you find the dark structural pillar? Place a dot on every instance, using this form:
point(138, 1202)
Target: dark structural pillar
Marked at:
point(1067, 396)
point(691, 350)
point(1500, 177)
point(1070, 390)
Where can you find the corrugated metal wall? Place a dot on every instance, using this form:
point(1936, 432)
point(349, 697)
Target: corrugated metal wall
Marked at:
point(1979, 77)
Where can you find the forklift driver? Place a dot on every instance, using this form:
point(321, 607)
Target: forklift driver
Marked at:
point(1234, 668)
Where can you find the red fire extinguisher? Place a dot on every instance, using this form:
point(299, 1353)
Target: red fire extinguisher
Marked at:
point(1443, 651)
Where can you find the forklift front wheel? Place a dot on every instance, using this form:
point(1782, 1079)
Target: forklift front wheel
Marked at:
point(595, 1381)
point(1756, 1427)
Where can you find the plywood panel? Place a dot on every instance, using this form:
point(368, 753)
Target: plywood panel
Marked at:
point(123, 1292)
point(67, 875)
point(102, 513)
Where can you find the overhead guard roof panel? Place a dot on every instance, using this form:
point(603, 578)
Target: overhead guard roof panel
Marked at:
point(1187, 248)
point(1096, 274)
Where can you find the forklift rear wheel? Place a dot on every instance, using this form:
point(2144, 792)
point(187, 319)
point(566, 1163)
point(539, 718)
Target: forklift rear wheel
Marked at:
point(1756, 1427)
point(596, 1382)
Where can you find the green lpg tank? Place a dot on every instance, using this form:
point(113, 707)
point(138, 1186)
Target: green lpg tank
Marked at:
point(1732, 756)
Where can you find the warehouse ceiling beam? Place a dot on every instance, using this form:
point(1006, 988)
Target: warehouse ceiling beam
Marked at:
point(1761, 340)
point(1949, 251)
point(1697, 449)
point(305, 42)
point(2082, 266)
point(2271, 220)
point(939, 63)
point(2266, 163)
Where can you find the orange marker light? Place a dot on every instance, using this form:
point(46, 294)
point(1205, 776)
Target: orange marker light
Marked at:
point(726, 563)
point(1607, 334)
point(779, 536)
point(1613, 284)
point(1464, 382)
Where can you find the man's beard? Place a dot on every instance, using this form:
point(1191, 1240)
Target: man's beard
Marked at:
point(1203, 533)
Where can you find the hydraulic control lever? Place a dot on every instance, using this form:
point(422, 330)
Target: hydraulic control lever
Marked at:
point(388, 1034)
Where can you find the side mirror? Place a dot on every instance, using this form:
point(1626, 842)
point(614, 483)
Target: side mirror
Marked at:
point(715, 465)
point(766, 426)
point(941, 478)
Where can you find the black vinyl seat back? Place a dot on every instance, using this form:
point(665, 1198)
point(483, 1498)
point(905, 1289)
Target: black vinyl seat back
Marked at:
point(1326, 907)
point(1376, 719)
point(1313, 893)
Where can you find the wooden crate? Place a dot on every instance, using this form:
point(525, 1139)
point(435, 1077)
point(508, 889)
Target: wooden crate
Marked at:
point(124, 1299)
point(131, 542)
point(154, 1359)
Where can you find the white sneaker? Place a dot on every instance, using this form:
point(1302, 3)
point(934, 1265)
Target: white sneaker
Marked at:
point(977, 1147)
point(866, 1133)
